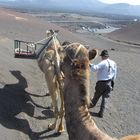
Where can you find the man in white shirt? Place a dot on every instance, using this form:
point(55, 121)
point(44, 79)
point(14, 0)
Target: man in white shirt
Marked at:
point(106, 74)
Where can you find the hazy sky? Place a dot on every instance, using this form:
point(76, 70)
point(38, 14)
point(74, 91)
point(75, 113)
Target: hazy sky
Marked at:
point(133, 2)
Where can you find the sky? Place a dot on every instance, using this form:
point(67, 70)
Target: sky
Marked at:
point(132, 2)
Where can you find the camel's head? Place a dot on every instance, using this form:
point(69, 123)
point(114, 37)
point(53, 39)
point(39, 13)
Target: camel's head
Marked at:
point(75, 55)
point(76, 67)
point(51, 32)
point(53, 43)
point(92, 53)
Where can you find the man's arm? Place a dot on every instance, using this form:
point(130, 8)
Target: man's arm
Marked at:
point(94, 67)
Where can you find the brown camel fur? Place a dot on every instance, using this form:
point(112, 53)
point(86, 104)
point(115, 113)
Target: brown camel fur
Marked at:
point(49, 63)
point(80, 125)
point(131, 137)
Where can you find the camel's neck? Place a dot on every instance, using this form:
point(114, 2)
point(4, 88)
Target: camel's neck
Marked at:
point(39, 53)
point(80, 125)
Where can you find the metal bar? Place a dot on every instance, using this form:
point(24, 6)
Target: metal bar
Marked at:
point(19, 46)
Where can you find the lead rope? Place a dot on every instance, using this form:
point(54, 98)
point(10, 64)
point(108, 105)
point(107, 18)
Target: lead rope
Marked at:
point(56, 52)
point(32, 45)
point(59, 77)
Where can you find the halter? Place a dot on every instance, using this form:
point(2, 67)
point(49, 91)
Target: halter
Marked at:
point(77, 70)
point(77, 51)
point(38, 54)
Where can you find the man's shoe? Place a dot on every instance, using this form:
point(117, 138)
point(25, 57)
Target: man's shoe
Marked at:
point(100, 114)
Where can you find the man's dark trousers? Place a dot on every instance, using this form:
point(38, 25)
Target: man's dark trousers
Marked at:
point(103, 89)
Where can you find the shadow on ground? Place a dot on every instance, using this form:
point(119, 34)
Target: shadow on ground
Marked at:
point(14, 100)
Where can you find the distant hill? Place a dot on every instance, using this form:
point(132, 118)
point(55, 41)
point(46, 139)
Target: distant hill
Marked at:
point(77, 6)
point(122, 8)
point(131, 33)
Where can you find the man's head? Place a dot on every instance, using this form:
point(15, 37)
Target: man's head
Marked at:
point(104, 54)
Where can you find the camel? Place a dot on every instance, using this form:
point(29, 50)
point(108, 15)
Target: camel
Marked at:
point(79, 124)
point(49, 63)
point(49, 60)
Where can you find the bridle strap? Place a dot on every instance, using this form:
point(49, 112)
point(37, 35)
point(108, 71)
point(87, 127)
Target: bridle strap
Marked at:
point(77, 51)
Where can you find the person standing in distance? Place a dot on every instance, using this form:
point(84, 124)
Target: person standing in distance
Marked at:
point(106, 75)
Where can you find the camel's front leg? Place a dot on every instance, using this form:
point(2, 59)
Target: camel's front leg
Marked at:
point(61, 126)
point(54, 125)
point(61, 113)
point(53, 91)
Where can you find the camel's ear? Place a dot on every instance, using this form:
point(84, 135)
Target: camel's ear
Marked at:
point(56, 31)
point(51, 32)
point(65, 43)
point(92, 53)
point(48, 32)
